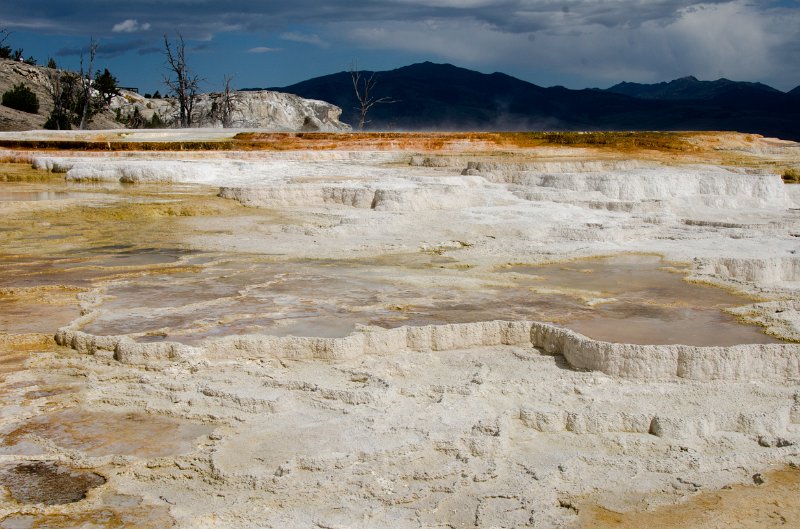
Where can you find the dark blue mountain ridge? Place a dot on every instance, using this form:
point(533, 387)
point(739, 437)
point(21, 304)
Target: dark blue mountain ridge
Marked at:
point(691, 88)
point(429, 96)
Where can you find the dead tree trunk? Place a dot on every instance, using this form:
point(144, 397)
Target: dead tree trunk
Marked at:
point(229, 103)
point(86, 84)
point(57, 94)
point(179, 80)
point(363, 87)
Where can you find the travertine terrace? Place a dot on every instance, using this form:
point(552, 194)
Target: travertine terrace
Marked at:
point(212, 329)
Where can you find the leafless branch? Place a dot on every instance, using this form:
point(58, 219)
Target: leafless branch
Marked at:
point(86, 83)
point(230, 102)
point(364, 87)
point(56, 92)
point(180, 80)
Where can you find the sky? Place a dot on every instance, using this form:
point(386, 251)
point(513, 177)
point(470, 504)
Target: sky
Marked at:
point(264, 43)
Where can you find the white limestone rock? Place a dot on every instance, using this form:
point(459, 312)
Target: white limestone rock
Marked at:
point(263, 110)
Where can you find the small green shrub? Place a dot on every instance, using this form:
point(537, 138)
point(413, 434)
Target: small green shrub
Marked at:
point(156, 122)
point(21, 98)
point(106, 84)
point(791, 176)
point(57, 121)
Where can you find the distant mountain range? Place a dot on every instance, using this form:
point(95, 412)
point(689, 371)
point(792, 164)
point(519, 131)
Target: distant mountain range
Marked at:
point(687, 88)
point(432, 96)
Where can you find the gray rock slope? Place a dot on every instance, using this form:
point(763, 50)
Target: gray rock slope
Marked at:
point(272, 111)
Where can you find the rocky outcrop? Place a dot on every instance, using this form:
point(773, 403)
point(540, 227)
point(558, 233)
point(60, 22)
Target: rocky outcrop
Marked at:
point(630, 361)
point(263, 109)
point(397, 198)
point(38, 80)
point(765, 271)
point(633, 181)
point(12, 73)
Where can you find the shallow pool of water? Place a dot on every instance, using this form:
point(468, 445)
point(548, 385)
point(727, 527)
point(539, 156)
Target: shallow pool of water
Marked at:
point(631, 299)
point(641, 299)
point(34, 196)
point(34, 315)
point(157, 290)
point(106, 433)
point(130, 511)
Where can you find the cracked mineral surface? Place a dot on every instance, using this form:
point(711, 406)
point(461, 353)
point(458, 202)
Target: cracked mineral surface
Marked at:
point(202, 329)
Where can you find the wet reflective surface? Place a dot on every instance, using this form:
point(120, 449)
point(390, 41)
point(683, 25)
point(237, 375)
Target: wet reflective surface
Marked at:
point(106, 433)
point(631, 299)
point(771, 503)
point(131, 514)
point(641, 299)
point(32, 196)
point(128, 244)
point(25, 314)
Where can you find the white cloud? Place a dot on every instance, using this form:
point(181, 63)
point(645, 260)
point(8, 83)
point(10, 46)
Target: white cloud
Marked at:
point(262, 49)
point(304, 38)
point(130, 25)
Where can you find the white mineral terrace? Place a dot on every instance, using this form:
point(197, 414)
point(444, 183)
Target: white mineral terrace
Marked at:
point(466, 336)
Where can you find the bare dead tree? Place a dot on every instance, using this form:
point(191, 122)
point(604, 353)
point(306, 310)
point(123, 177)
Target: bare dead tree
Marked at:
point(364, 87)
point(56, 92)
point(5, 51)
point(66, 90)
point(180, 79)
point(229, 102)
point(86, 83)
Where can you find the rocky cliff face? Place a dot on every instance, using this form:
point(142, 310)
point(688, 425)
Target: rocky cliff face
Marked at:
point(38, 79)
point(272, 111)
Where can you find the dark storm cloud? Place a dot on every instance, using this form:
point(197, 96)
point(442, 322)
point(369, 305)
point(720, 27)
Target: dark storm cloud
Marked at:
point(199, 18)
point(590, 41)
point(106, 49)
point(149, 50)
